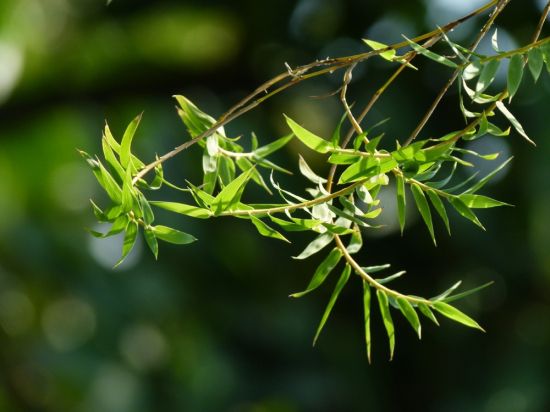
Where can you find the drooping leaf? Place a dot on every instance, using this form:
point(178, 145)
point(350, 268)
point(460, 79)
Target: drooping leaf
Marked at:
point(431, 55)
point(231, 194)
point(373, 269)
point(487, 178)
point(487, 76)
point(453, 313)
point(297, 225)
point(515, 74)
point(126, 143)
point(355, 242)
point(426, 311)
point(480, 202)
point(323, 270)
point(308, 173)
point(401, 201)
point(440, 208)
point(147, 212)
point(335, 293)
point(129, 241)
point(535, 62)
point(266, 150)
point(390, 278)
point(461, 295)
point(387, 55)
point(424, 209)
point(366, 310)
point(410, 314)
point(311, 140)
point(517, 125)
point(464, 210)
point(183, 209)
point(472, 70)
point(151, 241)
point(316, 245)
point(386, 317)
point(267, 231)
point(172, 235)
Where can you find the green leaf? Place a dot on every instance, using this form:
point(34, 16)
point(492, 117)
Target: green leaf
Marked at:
point(316, 245)
point(128, 192)
point(487, 76)
point(231, 194)
point(355, 242)
point(387, 55)
point(426, 311)
point(461, 295)
point(373, 269)
point(388, 279)
point(366, 308)
point(172, 235)
point(297, 225)
point(308, 173)
point(504, 110)
point(431, 55)
point(535, 62)
point(487, 178)
point(453, 313)
point(147, 212)
point(111, 159)
point(343, 158)
point(443, 295)
point(401, 201)
point(126, 143)
point(335, 293)
point(311, 140)
point(464, 210)
point(265, 230)
point(434, 152)
point(151, 241)
point(272, 147)
point(480, 202)
point(366, 167)
point(322, 272)
point(183, 209)
point(386, 317)
point(196, 121)
point(335, 139)
point(129, 241)
point(440, 208)
point(423, 208)
point(410, 314)
point(515, 74)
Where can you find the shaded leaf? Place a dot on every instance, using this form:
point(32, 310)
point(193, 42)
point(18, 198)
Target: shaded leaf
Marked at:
point(323, 270)
point(515, 74)
point(487, 178)
point(487, 75)
point(129, 241)
point(386, 317)
point(151, 241)
point(366, 310)
point(424, 209)
point(401, 201)
point(465, 293)
point(535, 62)
point(440, 208)
point(308, 173)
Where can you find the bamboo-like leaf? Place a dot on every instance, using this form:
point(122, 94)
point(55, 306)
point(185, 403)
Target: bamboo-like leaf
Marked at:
point(323, 270)
point(297, 225)
point(431, 55)
point(440, 208)
point(390, 278)
point(267, 231)
point(424, 209)
point(446, 293)
point(410, 314)
point(183, 209)
point(487, 76)
point(231, 194)
point(145, 207)
point(129, 241)
point(535, 62)
point(316, 245)
point(126, 143)
point(461, 295)
point(172, 235)
point(195, 120)
point(151, 241)
point(517, 125)
point(335, 293)
point(308, 173)
point(366, 167)
point(487, 178)
point(480, 202)
point(311, 140)
point(464, 210)
point(366, 310)
point(387, 55)
point(453, 313)
point(426, 311)
point(401, 201)
point(272, 147)
point(386, 317)
point(111, 159)
point(515, 74)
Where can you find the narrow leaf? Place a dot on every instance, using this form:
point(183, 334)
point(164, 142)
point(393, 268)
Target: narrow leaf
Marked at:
point(308, 173)
point(453, 313)
point(316, 245)
point(231, 194)
point(480, 202)
point(183, 209)
point(401, 201)
point(126, 143)
point(440, 208)
point(515, 74)
point(267, 231)
point(410, 314)
point(426, 311)
point(335, 293)
point(311, 140)
point(272, 147)
point(151, 241)
point(366, 309)
point(323, 270)
point(535, 62)
point(487, 178)
point(386, 317)
point(387, 55)
point(431, 55)
point(504, 110)
point(424, 209)
point(465, 293)
point(172, 235)
point(464, 210)
point(487, 76)
point(129, 241)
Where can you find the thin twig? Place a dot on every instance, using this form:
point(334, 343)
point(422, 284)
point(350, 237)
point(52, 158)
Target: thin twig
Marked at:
point(542, 19)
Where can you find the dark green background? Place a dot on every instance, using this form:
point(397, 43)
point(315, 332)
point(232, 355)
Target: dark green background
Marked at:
point(209, 327)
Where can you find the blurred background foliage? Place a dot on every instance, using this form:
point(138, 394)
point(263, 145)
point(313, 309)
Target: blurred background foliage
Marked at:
point(209, 326)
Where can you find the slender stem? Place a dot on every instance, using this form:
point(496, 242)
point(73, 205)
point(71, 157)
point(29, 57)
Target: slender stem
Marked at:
point(498, 9)
point(542, 19)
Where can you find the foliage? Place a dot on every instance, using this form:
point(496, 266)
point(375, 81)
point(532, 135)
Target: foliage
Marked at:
point(422, 170)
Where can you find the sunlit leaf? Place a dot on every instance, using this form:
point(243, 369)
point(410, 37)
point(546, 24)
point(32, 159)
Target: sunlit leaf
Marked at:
point(386, 317)
point(316, 245)
point(378, 268)
point(464, 210)
point(426, 311)
point(424, 209)
point(323, 270)
point(535, 62)
point(447, 292)
point(267, 231)
point(487, 76)
point(387, 55)
point(126, 143)
point(504, 110)
point(172, 235)
point(231, 194)
point(311, 140)
point(129, 241)
point(272, 147)
point(410, 314)
point(366, 310)
point(440, 208)
point(308, 173)
point(480, 202)
point(453, 313)
point(431, 55)
point(355, 242)
point(335, 293)
point(183, 209)
point(151, 241)
point(390, 278)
